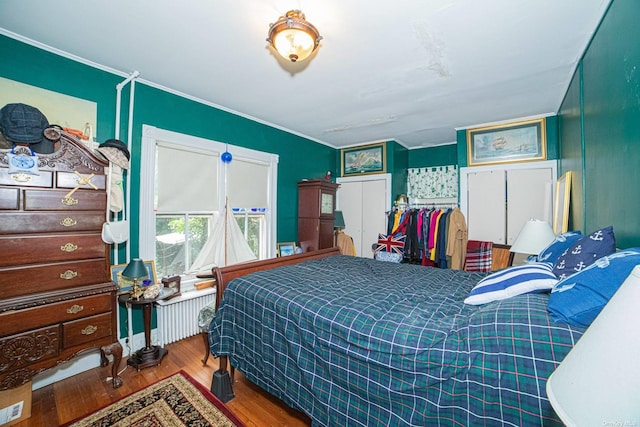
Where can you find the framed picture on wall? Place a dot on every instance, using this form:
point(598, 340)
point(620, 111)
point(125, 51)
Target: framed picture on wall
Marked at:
point(362, 160)
point(507, 143)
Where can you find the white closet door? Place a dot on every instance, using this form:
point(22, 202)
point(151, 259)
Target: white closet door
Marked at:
point(486, 206)
point(363, 205)
point(374, 220)
point(349, 198)
point(528, 196)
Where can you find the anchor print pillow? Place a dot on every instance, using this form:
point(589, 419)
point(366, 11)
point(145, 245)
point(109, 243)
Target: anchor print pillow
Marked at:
point(584, 252)
point(578, 299)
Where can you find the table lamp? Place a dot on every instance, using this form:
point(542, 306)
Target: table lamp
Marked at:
point(338, 220)
point(136, 270)
point(534, 236)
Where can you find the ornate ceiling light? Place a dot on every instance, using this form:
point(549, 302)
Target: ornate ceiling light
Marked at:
point(293, 37)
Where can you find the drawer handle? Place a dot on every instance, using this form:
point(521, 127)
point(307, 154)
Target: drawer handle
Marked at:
point(89, 330)
point(68, 275)
point(75, 308)
point(68, 247)
point(68, 222)
point(69, 201)
point(21, 177)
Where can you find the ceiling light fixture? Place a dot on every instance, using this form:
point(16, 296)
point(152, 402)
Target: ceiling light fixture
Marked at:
point(293, 37)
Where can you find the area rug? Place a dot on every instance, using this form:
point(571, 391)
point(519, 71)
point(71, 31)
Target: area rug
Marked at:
point(178, 400)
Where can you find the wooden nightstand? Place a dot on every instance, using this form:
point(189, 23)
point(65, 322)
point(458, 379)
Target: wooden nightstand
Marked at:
point(149, 355)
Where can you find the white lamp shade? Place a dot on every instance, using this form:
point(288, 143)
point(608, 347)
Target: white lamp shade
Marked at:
point(533, 238)
point(598, 382)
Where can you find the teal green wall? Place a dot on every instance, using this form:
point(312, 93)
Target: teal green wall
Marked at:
point(442, 155)
point(571, 150)
point(298, 157)
point(397, 164)
point(600, 127)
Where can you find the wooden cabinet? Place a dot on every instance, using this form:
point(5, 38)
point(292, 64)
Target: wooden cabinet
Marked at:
point(316, 206)
point(56, 296)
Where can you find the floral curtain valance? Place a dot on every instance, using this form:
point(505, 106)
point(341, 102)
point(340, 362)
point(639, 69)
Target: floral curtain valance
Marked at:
point(432, 182)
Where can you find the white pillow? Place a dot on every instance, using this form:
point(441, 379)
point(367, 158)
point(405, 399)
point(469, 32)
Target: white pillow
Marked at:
point(512, 281)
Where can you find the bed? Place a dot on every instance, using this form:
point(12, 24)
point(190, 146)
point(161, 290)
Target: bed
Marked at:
point(358, 342)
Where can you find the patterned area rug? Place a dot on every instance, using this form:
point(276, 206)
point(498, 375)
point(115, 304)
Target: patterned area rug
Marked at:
point(178, 400)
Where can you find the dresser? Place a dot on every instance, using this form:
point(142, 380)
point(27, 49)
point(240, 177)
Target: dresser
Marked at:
point(56, 296)
point(316, 206)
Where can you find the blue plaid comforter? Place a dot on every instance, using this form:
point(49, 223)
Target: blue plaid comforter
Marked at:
point(358, 342)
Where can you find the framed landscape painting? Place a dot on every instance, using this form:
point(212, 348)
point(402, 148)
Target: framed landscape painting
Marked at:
point(507, 143)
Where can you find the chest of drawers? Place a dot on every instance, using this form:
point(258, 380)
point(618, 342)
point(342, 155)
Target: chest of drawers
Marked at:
point(56, 296)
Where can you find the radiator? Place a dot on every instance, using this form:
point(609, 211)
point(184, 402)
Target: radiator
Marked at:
point(178, 317)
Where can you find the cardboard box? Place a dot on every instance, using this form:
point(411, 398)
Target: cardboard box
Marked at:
point(15, 404)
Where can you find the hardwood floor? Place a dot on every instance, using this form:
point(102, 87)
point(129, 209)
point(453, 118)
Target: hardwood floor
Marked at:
point(84, 393)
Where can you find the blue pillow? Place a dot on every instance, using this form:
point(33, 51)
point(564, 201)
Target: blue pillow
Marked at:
point(512, 281)
point(584, 252)
point(556, 248)
point(578, 299)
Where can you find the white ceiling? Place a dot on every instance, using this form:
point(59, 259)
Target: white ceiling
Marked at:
point(411, 71)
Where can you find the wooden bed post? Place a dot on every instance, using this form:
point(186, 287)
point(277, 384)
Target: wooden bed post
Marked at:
point(221, 383)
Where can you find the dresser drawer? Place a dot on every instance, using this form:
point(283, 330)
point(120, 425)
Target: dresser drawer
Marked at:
point(54, 248)
point(57, 200)
point(45, 179)
point(63, 311)
point(20, 350)
point(17, 281)
point(85, 330)
point(72, 180)
point(50, 222)
point(9, 198)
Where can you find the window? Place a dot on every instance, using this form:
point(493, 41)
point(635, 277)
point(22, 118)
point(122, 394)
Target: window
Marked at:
point(189, 186)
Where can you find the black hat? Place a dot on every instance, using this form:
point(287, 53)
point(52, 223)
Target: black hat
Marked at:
point(24, 124)
point(116, 152)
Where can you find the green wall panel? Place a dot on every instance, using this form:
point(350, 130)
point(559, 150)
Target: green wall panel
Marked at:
point(442, 155)
point(571, 151)
point(611, 111)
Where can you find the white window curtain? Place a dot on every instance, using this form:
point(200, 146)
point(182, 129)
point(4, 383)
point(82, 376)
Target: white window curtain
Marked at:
point(432, 182)
point(195, 168)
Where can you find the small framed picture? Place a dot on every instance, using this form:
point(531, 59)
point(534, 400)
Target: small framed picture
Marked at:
point(171, 286)
point(126, 284)
point(286, 248)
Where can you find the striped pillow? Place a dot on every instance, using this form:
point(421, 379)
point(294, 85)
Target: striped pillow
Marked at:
point(513, 281)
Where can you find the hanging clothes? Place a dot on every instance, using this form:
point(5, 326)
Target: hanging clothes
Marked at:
point(457, 239)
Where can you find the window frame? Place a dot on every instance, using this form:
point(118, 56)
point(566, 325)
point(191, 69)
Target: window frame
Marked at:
point(150, 136)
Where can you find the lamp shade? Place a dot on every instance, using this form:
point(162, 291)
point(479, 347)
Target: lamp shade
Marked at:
point(533, 238)
point(338, 220)
point(598, 382)
point(135, 270)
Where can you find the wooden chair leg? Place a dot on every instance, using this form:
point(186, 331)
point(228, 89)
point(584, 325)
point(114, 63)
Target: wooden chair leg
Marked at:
point(205, 338)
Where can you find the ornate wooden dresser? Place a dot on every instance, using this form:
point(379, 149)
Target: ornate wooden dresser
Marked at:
point(57, 299)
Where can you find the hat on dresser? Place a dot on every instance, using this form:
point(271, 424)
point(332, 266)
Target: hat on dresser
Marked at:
point(24, 124)
point(116, 152)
